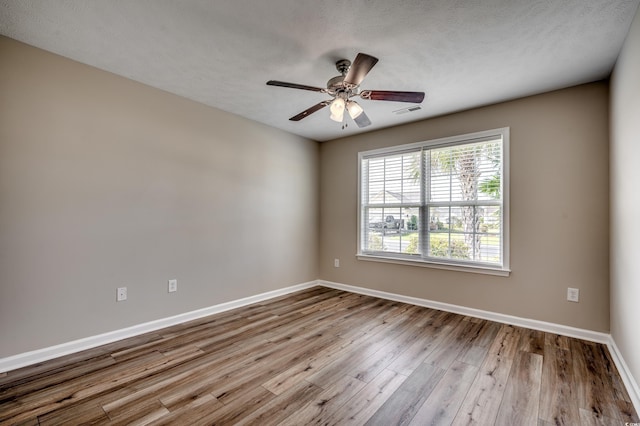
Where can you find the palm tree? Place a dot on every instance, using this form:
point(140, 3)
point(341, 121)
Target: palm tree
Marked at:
point(465, 163)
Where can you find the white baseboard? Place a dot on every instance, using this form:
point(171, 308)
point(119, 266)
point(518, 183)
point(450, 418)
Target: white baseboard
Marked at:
point(45, 354)
point(593, 336)
point(627, 378)
point(564, 330)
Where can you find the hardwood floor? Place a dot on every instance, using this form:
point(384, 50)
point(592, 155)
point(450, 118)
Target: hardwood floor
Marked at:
point(326, 357)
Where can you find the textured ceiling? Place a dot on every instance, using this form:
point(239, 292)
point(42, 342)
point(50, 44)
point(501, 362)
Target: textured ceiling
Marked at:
point(462, 53)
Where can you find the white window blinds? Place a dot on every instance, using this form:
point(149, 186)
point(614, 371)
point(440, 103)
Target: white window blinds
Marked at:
point(438, 201)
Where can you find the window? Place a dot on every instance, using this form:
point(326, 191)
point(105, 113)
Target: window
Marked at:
point(441, 203)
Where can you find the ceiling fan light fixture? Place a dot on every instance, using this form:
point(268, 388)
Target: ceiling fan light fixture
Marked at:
point(337, 106)
point(337, 117)
point(354, 109)
point(337, 109)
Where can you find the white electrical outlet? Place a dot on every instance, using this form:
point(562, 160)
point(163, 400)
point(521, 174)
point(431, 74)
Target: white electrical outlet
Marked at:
point(121, 294)
point(573, 294)
point(173, 286)
point(336, 263)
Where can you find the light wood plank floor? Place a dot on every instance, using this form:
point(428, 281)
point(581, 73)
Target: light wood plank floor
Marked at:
point(326, 357)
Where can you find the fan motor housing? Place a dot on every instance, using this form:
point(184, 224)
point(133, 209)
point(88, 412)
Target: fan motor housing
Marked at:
point(336, 83)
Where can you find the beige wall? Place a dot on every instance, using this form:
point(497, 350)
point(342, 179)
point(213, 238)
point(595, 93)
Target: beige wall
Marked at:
point(105, 182)
point(625, 201)
point(559, 211)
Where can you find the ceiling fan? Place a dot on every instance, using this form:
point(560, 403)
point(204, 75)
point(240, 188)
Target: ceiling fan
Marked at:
point(346, 86)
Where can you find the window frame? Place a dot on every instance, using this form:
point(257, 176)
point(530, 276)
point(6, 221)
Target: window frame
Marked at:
point(449, 264)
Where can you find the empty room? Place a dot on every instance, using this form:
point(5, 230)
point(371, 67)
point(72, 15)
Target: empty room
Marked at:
point(324, 212)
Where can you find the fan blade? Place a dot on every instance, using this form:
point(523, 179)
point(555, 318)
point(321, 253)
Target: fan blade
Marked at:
point(310, 111)
point(294, 86)
point(362, 120)
point(360, 68)
point(386, 95)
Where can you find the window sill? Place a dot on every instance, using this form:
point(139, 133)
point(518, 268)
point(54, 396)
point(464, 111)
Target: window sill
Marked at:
point(447, 266)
